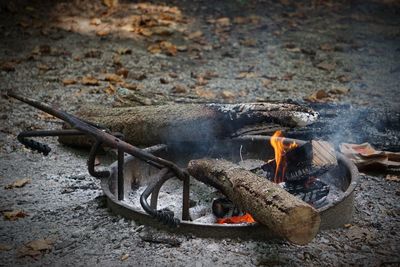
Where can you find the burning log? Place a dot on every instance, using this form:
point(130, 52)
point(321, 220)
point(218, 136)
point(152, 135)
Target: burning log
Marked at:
point(269, 204)
point(149, 125)
point(300, 163)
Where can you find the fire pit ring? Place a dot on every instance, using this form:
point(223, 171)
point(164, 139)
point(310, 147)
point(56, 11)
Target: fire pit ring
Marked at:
point(333, 215)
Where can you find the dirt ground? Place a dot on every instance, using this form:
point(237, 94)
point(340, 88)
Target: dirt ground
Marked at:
point(67, 54)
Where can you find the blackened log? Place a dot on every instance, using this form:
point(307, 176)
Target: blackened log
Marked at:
point(269, 204)
point(149, 125)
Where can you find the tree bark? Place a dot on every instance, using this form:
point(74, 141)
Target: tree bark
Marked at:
point(149, 125)
point(269, 204)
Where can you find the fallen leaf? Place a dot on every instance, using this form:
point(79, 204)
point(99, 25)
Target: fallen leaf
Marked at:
point(112, 77)
point(393, 178)
point(69, 82)
point(8, 66)
point(326, 66)
point(95, 21)
point(110, 3)
point(154, 49)
point(124, 256)
point(294, 50)
point(317, 96)
point(228, 95)
point(89, 80)
point(130, 86)
point(35, 248)
point(122, 72)
point(5, 247)
point(168, 48)
point(18, 183)
point(162, 30)
point(117, 60)
point(182, 48)
point(195, 35)
point(248, 42)
point(207, 94)
point(103, 32)
point(179, 89)
point(173, 75)
point(14, 215)
point(223, 22)
point(110, 89)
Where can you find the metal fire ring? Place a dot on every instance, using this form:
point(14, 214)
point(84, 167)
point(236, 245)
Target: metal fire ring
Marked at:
point(333, 215)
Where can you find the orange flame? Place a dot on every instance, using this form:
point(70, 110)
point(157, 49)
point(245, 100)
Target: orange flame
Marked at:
point(280, 148)
point(246, 218)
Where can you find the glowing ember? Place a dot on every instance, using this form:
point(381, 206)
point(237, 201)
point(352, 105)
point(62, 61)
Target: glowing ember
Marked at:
point(280, 148)
point(246, 218)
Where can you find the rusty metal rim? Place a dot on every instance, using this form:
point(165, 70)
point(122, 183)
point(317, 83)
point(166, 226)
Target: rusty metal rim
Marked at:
point(127, 211)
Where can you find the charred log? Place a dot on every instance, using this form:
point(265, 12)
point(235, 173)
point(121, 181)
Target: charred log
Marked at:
point(269, 204)
point(149, 125)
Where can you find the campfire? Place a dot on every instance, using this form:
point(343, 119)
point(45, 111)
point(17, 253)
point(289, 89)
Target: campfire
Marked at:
point(289, 196)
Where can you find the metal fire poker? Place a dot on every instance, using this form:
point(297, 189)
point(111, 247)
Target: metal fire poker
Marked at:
point(103, 137)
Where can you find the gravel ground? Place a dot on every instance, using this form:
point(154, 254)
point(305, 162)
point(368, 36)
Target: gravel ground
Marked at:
point(274, 51)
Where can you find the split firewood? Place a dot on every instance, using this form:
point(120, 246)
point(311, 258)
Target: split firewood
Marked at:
point(311, 159)
point(149, 125)
point(269, 204)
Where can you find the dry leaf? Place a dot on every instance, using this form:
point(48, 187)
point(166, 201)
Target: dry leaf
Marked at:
point(248, 42)
point(130, 86)
point(5, 247)
point(124, 257)
point(239, 20)
point(14, 215)
point(46, 117)
point(35, 248)
point(103, 32)
point(117, 60)
point(228, 95)
point(182, 48)
point(207, 94)
point(393, 178)
point(154, 49)
point(326, 66)
point(168, 48)
point(294, 50)
point(18, 183)
point(179, 89)
point(122, 72)
point(317, 96)
point(89, 80)
point(195, 35)
point(223, 22)
point(8, 66)
point(110, 3)
point(112, 77)
point(110, 89)
point(95, 21)
point(68, 82)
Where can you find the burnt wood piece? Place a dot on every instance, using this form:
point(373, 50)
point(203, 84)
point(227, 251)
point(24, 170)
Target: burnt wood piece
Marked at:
point(149, 125)
point(269, 204)
point(309, 160)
